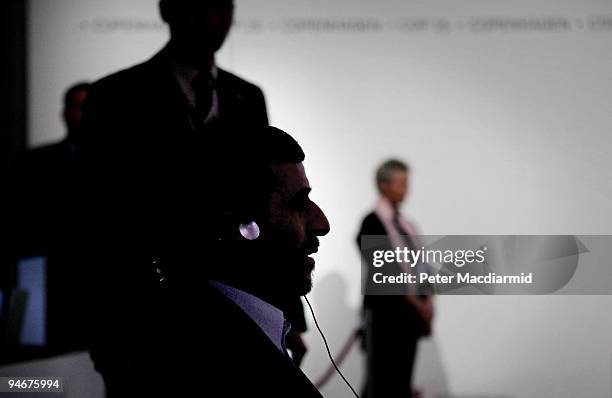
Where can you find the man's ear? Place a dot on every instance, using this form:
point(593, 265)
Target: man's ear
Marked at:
point(382, 187)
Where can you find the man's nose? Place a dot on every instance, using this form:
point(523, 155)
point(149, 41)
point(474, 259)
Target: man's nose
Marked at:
point(317, 221)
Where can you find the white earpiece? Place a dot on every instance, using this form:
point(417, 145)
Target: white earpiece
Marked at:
point(249, 231)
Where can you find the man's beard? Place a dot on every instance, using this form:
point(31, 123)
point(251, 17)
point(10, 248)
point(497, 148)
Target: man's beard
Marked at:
point(292, 269)
point(273, 272)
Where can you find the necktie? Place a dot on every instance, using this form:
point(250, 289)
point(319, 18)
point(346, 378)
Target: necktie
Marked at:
point(407, 239)
point(400, 229)
point(203, 88)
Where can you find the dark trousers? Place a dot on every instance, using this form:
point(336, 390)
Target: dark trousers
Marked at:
point(391, 346)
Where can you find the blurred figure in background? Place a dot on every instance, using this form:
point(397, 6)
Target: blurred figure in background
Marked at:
point(44, 202)
point(55, 161)
point(74, 100)
point(393, 323)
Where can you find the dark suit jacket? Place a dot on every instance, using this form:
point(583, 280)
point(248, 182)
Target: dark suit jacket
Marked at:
point(398, 312)
point(143, 158)
point(217, 351)
point(43, 194)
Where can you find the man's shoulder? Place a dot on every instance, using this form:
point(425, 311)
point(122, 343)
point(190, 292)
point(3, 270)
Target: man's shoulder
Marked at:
point(47, 150)
point(371, 216)
point(372, 225)
point(372, 219)
point(132, 76)
point(42, 156)
point(240, 350)
point(244, 100)
point(231, 80)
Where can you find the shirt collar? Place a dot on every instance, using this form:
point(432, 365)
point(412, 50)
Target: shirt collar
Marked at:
point(269, 318)
point(184, 74)
point(384, 209)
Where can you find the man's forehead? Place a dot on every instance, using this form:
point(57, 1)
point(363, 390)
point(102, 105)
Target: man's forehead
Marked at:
point(291, 177)
point(400, 174)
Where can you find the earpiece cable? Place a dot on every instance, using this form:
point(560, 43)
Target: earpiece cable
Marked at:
point(328, 350)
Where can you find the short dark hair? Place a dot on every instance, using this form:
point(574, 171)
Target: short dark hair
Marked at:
point(385, 171)
point(248, 170)
point(228, 181)
point(277, 146)
point(170, 9)
point(82, 86)
point(232, 177)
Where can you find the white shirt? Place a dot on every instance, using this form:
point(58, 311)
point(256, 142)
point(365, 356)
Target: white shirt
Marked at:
point(185, 75)
point(385, 211)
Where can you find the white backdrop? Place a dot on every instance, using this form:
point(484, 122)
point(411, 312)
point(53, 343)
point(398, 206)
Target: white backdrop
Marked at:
point(503, 109)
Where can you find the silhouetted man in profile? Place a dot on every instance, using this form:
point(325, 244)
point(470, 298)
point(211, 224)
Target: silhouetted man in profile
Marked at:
point(72, 114)
point(220, 330)
point(141, 124)
point(141, 128)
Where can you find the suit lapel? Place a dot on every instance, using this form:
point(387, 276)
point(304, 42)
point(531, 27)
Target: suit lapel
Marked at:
point(172, 99)
point(257, 343)
point(228, 93)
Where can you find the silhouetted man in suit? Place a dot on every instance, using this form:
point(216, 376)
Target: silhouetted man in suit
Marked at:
point(45, 177)
point(219, 329)
point(44, 192)
point(393, 323)
point(141, 126)
point(140, 123)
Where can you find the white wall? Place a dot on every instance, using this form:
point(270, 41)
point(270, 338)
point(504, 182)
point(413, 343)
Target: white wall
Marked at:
point(507, 132)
